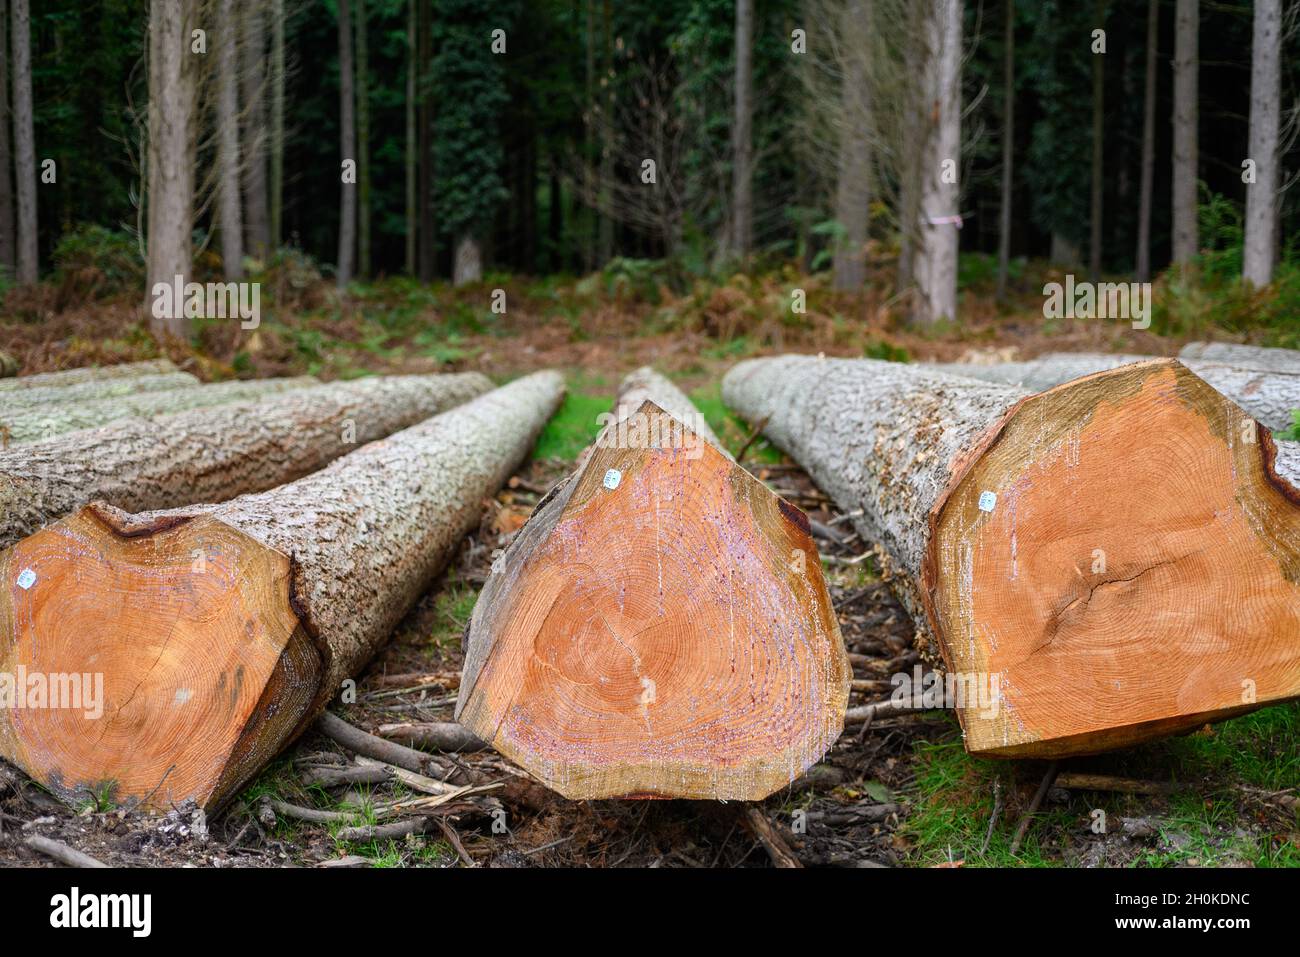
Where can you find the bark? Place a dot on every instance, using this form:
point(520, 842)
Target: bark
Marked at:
point(363, 141)
point(432, 736)
point(428, 238)
point(936, 262)
point(1269, 397)
point(37, 424)
point(468, 266)
point(253, 76)
point(231, 212)
point(24, 141)
point(1244, 357)
point(8, 249)
point(1186, 67)
point(172, 82)
point(412, 65)
point(1265, 107)
point(54, 395)
point(1008, 144)
point(214, 454)
point(347, 148)
point(660, 626)
point(90, 373)
point(1098, 157)
point(1080, 556)
point(742, 170)
point(263, 605)
point(277, 123)
point(853, 189)
point(1148, 144)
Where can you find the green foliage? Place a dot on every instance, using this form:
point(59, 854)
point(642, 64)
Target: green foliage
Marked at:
point(879, 349)
point(574, 427)
point(100, 261)
point(1291, 433)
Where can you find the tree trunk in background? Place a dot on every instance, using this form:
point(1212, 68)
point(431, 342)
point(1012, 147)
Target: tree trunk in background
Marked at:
point(256, 644)
point(1186, 66)
point(412, 65)
point(227, 77)
point(1008, 144)
point(1035, 536)
point(427, 238)
point(605, 250)
point(590, 114)
point(1265, 107)
point(7, 246)
point(25, 142)
point(936, 266)
point(347, 148)
point(277, 124)
point(853, 186)
point(915, 131)
point(468, 265)
point(742, 134)
point(363, 141)
point(1148, 145)
point(555, 218)
point(1098, 156)
point(172, 83)
point(253, 75)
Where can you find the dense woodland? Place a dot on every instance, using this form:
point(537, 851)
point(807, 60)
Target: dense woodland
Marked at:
point(510, 136)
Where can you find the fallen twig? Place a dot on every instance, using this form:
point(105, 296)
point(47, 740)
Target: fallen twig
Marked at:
point(57, 850)
point(772, 842)
point(1023, 827)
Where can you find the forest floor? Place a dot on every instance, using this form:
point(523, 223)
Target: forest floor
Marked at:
point(900, 792)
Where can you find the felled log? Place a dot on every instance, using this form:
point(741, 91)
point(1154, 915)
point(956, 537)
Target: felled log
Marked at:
point(1270, 397)
point(30, 399)
point(660, 626)
point(34, 423)
point(222, 631)
point(1244, 357)
point(1103, 563)
point(65, 377)
point(213, 454)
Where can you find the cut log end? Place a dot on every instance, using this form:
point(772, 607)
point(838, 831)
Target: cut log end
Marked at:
point(674, 603)
point(1118, 562)
point(189, 664)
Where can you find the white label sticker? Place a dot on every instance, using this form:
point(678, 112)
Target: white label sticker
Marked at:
point(987, 501)
point(26, 579)
point(612, 478)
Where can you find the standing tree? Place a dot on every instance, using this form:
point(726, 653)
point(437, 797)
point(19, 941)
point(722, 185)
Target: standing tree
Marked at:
point(230, 211)
point(277, 122)
point(1008, 143)
point(253, 74)
point(363, 140)
point(172, 95)
point(7, 250)
point(742, 172)
point(1265, 104)
point(411, 67)
point(427, 235)
point(24, 142)
point(1148, 144)
point(936, 266)
point(347, 149)
point(1098, 157)
point(853, 174)
point(1186, 66)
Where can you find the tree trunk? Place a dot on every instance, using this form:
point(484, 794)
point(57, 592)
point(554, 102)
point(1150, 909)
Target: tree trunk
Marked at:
point(1186, 67)
point(742, 170)
point(35, 398)
point(1269, 397)
point(24, 142)
point(605, 247)
point(1098, 156)
point(1148, 144)
point(277, 124)
point(363, 140)
point(8, 249)
point(68, 377)
point(214, 454)
point(1101, 564)
point(936, 264)
point(253, 75)
point(36, 424)
point(412, 65)
point(172, 82)
point(916, 129)
point(660, 626)
point(468, 266)
point(428, 238)
point(1244, 357)
point(1008, 145)
point(232, 228)
point(1265, 107)
point(853, 188)
point(347, 148)
point(222, 631)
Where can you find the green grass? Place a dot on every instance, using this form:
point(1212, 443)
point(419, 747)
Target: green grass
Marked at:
point(454, 605)
point(574, 426)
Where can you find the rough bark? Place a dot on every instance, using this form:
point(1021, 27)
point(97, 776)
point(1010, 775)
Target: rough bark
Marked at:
point(347, 148)
point(8, 249)
point(231, 208)
point(1186, 69)
point(853, 182)
point(213, 454)
point(36, 398)
point(1008, 143)
point(936, 262)
point(1244, 357)
point(1100, 564)
point(660, 626)
point(1265, 108)
point(1148, 144)
point(253, 75)
point(37, 424)
point(67, 377)
point(222, 631)
point(742, 170)
point(1270, 397)
point(24, 142)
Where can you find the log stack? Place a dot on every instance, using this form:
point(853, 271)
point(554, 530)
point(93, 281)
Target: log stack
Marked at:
point(221, 631)
point(660, 626)
point(65, 377)
point(1106, 562)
